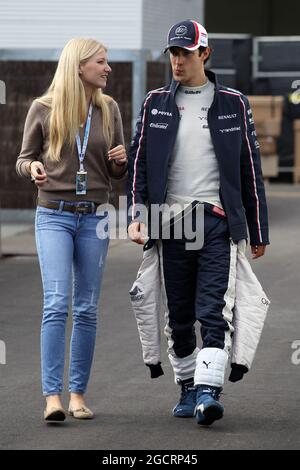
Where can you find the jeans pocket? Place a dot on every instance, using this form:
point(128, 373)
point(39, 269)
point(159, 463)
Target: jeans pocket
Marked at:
point(45, 210)
point(44, 215)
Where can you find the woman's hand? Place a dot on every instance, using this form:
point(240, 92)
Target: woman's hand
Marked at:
point(118, 155)
point(38, 174)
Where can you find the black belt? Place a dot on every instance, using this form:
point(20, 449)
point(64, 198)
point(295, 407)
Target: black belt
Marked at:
point(76, 207)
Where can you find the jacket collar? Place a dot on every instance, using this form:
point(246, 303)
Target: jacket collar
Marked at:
point(210, 75)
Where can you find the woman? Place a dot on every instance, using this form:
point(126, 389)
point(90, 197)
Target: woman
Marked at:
point(72, 145)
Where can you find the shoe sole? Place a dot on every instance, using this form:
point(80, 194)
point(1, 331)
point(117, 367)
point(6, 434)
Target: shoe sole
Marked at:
point(56, 416)
point(183, 416)
point(81, 417)
point(211, 414)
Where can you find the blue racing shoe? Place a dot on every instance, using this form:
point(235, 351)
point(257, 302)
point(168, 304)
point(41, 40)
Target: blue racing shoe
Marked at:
point(208, 408)
point(186, 406)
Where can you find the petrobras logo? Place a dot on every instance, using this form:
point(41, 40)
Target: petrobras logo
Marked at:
point(181, 30)
point(156, 112)
point(159, 125)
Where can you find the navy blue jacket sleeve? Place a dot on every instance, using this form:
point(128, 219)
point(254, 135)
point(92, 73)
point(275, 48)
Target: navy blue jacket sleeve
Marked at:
point(253, 190)
point(137, 168)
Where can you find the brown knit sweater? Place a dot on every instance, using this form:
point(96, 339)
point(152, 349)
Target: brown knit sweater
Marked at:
point(61, 175)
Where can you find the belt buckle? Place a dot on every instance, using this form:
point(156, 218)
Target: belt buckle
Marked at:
point(83, 208)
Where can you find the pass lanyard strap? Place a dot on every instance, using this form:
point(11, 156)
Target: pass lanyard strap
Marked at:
point(82, 150)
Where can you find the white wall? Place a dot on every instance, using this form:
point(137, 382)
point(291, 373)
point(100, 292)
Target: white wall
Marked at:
point(51, 23)
point(120, 24)
point(159, 15)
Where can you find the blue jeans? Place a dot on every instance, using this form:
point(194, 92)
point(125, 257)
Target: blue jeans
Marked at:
point(68, 242)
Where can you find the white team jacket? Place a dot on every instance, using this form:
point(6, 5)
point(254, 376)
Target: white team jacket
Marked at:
point(249, 313)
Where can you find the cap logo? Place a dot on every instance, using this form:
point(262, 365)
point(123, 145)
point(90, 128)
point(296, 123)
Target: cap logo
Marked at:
point(181, 30)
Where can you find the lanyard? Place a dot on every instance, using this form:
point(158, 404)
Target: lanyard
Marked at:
point(82, 150)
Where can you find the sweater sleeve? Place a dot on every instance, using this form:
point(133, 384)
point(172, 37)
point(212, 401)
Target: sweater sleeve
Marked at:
point(32, 143)
point(118, 139)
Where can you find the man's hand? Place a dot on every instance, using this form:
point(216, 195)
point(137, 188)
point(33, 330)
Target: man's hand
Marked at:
point(258, 251)
point(137, 232)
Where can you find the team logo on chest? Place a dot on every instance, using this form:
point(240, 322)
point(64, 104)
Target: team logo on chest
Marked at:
point(159, 125)
point(156, 112)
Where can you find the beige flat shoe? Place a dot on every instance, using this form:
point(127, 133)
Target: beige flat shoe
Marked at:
point(54, 413)
point(81, 413)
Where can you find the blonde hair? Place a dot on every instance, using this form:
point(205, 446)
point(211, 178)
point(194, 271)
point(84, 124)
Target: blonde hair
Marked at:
point(66, 97)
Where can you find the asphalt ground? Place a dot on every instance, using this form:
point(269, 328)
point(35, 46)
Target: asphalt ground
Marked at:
point(133, 411)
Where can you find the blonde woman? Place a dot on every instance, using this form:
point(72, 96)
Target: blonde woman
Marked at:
point(72, 145)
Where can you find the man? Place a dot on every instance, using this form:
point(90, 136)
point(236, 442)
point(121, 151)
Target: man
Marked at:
point(195, 142)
